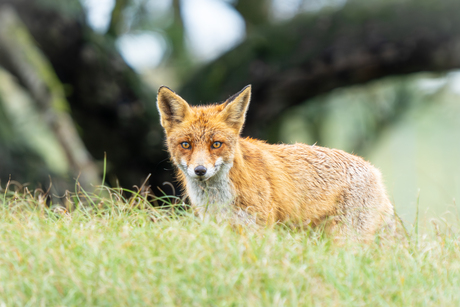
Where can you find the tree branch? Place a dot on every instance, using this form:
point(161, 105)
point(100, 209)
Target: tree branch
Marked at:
point(315, 54)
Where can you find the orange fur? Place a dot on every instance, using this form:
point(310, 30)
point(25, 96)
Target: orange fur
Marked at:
point(268, 183)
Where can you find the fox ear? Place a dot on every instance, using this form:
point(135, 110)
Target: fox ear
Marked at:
point(235, 109)
point(173, 109)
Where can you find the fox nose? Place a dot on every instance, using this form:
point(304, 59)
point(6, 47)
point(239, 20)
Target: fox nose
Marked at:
point(200, 170)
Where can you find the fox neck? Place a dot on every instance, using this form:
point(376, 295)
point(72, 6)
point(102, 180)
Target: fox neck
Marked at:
point(217, 191)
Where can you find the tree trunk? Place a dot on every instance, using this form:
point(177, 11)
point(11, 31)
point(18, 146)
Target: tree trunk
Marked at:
point(114, 111)
point(35, 72)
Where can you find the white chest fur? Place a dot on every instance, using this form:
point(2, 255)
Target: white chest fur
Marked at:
point(215, 197)
point(215, 192)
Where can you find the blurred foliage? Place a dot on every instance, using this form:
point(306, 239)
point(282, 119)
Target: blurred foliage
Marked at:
point(407, 126)
point(70, 8)
point(352, 118)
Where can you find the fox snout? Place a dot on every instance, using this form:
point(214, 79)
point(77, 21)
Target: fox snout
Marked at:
point(200, 170)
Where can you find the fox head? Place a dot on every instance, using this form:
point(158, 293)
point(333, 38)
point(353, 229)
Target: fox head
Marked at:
point(202, 139)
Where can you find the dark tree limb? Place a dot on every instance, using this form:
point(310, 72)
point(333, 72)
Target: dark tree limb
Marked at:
point(314, 54)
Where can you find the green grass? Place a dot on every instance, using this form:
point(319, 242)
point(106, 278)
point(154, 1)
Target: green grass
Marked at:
point(118, 252)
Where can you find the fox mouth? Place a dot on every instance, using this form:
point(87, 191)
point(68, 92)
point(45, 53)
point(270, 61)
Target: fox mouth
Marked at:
point(205, 178)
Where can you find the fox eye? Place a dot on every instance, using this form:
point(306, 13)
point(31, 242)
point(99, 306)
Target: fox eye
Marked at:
point(185, 145)
point(216, 145)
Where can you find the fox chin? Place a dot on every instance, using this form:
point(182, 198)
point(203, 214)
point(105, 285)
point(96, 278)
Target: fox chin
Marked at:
point(263, 183)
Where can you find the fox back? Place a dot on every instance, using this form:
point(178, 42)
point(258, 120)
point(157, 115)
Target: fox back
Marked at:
point(264, 183)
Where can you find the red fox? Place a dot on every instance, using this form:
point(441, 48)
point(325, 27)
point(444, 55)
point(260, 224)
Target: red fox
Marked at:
point(265, 183)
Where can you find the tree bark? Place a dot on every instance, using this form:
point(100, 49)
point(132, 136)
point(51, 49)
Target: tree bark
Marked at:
point(114, 111)
point(314, 54)
point(36, 73)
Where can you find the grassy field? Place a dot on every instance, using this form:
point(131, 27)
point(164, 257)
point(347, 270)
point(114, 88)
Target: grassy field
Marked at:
point(121, 254)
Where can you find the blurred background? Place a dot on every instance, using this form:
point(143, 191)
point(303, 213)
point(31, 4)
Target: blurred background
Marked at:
point(378, 78)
